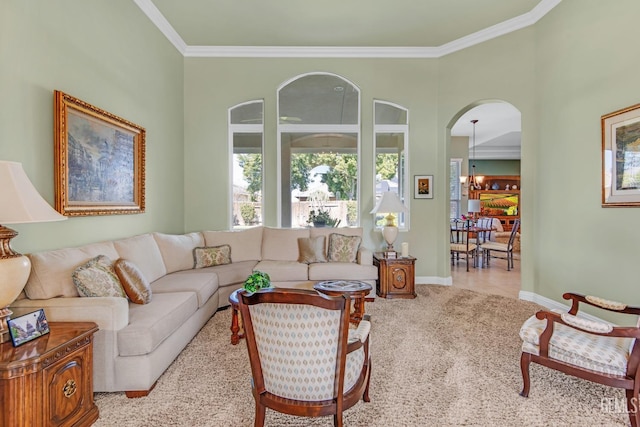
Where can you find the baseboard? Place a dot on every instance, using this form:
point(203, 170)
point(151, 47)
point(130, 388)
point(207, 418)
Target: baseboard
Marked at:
point(553, 304)
point(432, 280)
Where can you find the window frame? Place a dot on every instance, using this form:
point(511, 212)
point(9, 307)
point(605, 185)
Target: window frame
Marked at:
point(234, 128)
point(403, 169)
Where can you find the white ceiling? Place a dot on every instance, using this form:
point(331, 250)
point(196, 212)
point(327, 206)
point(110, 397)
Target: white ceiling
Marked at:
point(337, 28)
point(356, 28)
point(497, 130)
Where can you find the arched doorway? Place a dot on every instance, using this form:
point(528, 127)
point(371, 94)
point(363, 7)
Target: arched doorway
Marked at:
point(487, 153)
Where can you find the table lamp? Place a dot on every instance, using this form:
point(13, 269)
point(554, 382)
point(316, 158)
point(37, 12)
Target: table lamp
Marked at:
point(20, 203)
point(389, 203)
point(474, 207)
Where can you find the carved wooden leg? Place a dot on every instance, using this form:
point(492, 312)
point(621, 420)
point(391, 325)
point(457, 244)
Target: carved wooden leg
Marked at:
point(260, 413)
point(525, 360)
point(235, 326)
point(337, 419)
point(632, 406)
point(365, 396)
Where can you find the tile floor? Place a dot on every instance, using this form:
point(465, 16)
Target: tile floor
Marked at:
point(492, 280)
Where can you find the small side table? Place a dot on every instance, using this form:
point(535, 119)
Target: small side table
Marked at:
point(396, 276)
point(356, 289)
point(49, 381)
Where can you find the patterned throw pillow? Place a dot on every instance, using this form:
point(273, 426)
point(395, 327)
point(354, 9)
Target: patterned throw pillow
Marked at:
point(311, 249)
point(97, 278)
point(209, 256)
point(343, 248)
point(135, 285)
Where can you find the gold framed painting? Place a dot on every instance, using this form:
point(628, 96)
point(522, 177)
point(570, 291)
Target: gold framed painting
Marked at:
point(621, 157)
point(99, 160)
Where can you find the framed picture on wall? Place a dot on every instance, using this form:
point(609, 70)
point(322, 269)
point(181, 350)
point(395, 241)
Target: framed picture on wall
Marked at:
point(423, 187)
point(621, 157)
point(99, 160)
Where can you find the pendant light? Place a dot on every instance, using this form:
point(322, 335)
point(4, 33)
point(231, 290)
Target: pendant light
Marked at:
point(475, 182)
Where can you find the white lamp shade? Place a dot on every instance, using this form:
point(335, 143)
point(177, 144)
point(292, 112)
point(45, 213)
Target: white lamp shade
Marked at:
point(20, 202)
point(474, 205)
point(389, 203)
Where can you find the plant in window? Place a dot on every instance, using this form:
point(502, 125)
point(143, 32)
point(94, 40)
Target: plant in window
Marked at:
point(321, 218)
point(248, 213)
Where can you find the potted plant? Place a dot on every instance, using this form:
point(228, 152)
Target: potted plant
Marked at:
point(256, 281)
point(320, 218)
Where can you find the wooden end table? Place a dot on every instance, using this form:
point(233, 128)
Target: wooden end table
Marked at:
point(356, 289)
point(49, 381)
point(396, 276)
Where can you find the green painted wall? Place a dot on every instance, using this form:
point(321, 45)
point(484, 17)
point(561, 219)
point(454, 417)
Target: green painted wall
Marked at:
point(586, 66)
point(497, 167)
point(108, 54)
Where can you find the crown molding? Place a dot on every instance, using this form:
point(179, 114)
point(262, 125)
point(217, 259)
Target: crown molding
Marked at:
point(154, 14)
point(511, 25)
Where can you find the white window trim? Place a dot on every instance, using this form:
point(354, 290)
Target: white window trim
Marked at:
point(243, 128)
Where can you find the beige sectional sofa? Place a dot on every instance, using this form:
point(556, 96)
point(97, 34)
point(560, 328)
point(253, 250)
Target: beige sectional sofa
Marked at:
point(136, 343)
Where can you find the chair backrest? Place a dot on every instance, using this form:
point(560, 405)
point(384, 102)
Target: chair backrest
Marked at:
point(514, 231)
point(297, 342)
point(485, 222)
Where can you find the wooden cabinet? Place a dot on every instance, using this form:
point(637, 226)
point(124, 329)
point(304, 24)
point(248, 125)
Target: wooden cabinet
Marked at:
point(499, 199)
point(49, 381)
point(396, 276)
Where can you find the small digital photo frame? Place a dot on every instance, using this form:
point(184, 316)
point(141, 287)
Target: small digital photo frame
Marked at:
point(28, 327)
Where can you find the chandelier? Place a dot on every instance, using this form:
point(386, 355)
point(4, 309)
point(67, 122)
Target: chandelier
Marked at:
point(475, 181)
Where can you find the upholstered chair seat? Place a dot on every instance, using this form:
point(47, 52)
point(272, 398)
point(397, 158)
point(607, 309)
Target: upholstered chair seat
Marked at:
point(584, 348)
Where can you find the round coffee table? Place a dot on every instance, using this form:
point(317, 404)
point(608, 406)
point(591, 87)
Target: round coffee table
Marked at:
point(356, 289)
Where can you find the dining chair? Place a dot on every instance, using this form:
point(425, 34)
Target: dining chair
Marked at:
point(305, 360)
point(460, 243)
point(506, 249)
point(584, 348)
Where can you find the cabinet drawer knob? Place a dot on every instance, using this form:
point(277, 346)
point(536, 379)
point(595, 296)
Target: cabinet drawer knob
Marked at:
point(69, 388)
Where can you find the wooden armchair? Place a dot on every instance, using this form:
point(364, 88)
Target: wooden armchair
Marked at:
point(592, 350)
point(304, 358)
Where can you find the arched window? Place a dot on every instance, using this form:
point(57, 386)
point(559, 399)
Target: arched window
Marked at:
point(391, 134)
point(318, 146)
point(246, 129)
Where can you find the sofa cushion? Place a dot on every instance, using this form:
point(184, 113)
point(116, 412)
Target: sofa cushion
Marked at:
point(150, 324)
point(232, 274)
point(133, 282)
point(143, 251)
point(311, 249)
point(51, 270)
point(210, 256)
point(284, 271)
point(177, 249)
point(96, 278)
point(281, 244)
point(342, 271)
point(343, 248)
point(326, 231)
point(203, 282)
point(245, 244)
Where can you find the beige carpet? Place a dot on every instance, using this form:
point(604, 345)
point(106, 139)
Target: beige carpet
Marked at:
point(448, 357)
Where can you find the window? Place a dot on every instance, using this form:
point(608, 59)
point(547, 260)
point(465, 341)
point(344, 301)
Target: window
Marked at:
point(454, 188)
point(391, 130)
point(246, 129)
point(318, 146)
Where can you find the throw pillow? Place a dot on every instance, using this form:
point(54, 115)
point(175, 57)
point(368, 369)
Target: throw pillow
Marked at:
point(135, 285)
point(209, 256)
point(96, 278)
point(343, 248)
point(311, 249)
